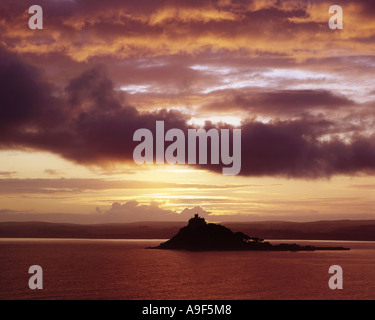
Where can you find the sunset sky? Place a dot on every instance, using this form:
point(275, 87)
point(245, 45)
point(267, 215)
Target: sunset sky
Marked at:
point(73, 94)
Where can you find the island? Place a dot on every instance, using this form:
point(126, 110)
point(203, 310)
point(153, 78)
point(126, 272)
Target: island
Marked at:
point(199, 235)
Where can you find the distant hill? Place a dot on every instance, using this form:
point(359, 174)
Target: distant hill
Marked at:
point(320, 230)
point(363, 230)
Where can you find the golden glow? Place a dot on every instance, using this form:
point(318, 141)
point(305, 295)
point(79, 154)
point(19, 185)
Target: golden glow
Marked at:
point(254, 198)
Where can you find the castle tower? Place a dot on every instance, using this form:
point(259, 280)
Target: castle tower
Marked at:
point(197, 221)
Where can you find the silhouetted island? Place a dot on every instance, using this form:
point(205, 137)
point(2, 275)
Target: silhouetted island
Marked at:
point(199, 235)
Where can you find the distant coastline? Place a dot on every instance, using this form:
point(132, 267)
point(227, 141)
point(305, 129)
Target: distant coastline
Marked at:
point(345, 230)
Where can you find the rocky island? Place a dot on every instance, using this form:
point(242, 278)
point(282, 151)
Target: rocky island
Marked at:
point(199, 235)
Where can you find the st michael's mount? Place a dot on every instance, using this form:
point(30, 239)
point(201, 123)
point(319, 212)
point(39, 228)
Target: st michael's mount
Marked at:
point(199, 235)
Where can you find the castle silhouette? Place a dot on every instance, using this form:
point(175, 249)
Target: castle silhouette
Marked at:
point(197, 221)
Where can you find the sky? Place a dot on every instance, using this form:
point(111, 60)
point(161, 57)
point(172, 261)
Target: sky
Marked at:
point(73, 93)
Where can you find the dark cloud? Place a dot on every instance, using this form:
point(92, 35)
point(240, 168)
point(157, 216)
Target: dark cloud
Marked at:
point(26, 99)
point(90, 122)
point(302, 148)
point(293, 149)
point(280, 102)
point(87, 123)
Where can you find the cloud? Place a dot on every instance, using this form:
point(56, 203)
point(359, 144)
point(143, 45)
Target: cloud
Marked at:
point(52, 172)
point(293, 149)
point(362, 186)
point(90, 122)
point(132, 211)
point(62, 185)
point(187, 213)
point(280, 102)
point(26, 97)
point(7, 173)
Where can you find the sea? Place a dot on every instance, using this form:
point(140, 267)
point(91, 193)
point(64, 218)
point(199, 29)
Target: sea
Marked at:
point(87, 269)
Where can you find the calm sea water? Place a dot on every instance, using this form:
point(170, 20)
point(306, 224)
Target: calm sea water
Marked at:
point(123, 269)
